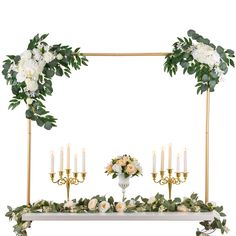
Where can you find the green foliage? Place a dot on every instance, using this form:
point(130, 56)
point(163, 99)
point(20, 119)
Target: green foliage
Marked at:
point(137, 204)
point(207, 76)
point(60, 67)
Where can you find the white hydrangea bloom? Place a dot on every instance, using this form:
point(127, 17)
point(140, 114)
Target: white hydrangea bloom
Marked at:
point(206, 54)
point(26, 55)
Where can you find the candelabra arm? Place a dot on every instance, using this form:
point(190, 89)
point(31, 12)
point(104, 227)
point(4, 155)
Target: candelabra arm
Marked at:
point(83, 175)
point(169, 179)
point(68, 180)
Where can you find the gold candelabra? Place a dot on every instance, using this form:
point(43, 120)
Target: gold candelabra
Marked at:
point(169, 179)
point(68, 180)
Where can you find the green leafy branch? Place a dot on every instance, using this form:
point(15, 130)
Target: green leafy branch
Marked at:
point(207, 78)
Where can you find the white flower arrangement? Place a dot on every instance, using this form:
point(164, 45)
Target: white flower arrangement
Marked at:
point(30, 76)
point(202, 58)
point(126, 165)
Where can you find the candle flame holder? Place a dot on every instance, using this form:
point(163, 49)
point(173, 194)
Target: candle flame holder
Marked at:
point(68, 180)
point(169, 179)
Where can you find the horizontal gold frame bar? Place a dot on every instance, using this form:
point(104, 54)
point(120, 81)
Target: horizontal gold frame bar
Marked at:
point(126, 54)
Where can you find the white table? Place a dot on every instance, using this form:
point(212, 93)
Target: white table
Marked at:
point(147, 216)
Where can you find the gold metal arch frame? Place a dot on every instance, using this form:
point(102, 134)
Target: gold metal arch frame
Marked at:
point(125, 55)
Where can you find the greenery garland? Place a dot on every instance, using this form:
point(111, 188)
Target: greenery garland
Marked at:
point(203, 59)
point(30, 76)
point(107, 205)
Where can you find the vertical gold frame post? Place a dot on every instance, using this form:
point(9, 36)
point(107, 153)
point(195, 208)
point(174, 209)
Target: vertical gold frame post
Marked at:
point(28, 162)
point(207, 147)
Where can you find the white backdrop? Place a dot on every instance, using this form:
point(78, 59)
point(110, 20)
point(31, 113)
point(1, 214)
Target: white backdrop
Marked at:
point(118, 105)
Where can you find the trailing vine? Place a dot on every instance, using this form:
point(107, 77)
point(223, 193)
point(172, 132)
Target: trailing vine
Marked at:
point(102, 204)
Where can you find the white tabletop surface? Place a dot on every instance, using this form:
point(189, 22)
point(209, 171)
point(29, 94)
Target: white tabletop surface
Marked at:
point(146, 216)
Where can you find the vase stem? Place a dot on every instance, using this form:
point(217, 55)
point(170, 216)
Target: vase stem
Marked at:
point(123, 195)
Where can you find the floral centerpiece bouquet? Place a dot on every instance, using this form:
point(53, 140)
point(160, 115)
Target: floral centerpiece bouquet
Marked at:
point(124, 167)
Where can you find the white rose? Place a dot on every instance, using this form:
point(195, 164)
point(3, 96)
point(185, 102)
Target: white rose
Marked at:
point(25, 225)
point(37, 54)
point(197, 209)
point(26, 55)
point(161, 208)
point(29, 101)
point(48, 56)
point(132, 203)
point(120, 207)
point(103, 206)
point(69, 204)
point(31, 85)
point(151, 200)
point(182, 208)
point(92, 205)
point(59, 57)
point(29, 69)
point(130, 169)
point(20, 77)
point(46, 209)
point(117, 168)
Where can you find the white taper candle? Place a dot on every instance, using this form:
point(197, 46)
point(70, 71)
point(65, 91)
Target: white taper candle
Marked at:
point(170, 157)
point(185, 160)
point(52, 162)
point(83, 160)
point(162, 158)
point(178, 163)
point(154, 162)
point(76, 163)
point(68, 157)
point(61, 159)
